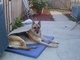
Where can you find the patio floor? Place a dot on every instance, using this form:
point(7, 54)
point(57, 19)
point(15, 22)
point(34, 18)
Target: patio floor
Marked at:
point(69, 40)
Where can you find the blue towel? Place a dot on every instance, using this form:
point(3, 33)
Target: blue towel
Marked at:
point(34, 53)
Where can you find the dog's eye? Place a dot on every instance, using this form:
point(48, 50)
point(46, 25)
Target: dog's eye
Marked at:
point(34, 27)
point(38, 27)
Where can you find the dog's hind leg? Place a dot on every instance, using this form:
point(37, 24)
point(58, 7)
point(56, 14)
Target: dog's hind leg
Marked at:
point(22, 47)
point(17, 42)
point(19, 47)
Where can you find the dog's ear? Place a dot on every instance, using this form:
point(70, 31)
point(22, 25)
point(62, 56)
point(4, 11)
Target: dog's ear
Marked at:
point(33, 23)
point(39, 23)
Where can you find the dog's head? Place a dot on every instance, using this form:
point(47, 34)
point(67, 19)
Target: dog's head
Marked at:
point(36, 27)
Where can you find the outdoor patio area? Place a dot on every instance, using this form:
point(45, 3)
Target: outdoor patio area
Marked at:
point(60, 28)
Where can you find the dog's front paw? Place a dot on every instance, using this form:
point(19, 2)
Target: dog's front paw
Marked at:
point(53, 45)
point(54, 42)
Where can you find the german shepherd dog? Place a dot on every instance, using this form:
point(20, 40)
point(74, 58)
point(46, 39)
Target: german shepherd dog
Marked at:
point(34, 34)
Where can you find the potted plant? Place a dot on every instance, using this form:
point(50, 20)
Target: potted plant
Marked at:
point(38, 6)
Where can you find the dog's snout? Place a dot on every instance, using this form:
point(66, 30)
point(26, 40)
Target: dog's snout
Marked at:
point(37, 31)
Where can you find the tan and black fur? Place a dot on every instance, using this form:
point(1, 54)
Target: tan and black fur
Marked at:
point(34, 35)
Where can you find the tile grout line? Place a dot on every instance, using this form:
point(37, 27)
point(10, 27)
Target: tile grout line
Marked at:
point(58, 54)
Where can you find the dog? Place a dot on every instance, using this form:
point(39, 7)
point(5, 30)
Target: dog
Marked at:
point(34, 35)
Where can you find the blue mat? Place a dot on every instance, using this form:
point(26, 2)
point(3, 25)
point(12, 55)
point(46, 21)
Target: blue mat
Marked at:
point(34, 53)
